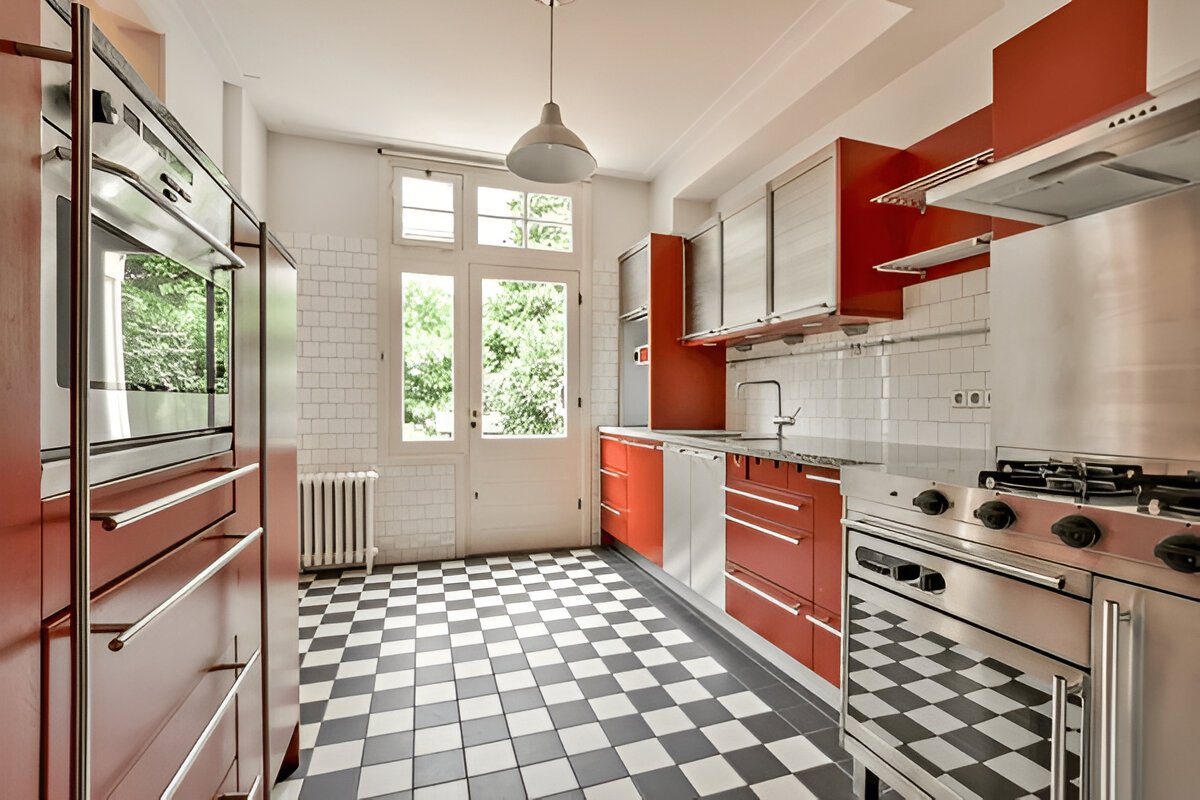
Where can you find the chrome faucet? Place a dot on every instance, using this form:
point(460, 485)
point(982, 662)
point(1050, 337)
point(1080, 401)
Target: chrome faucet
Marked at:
point(779, 419)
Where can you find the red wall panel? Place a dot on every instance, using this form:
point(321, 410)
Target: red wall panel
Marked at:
point(1078, 64)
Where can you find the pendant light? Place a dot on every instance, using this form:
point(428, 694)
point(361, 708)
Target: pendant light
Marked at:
point(550, 152)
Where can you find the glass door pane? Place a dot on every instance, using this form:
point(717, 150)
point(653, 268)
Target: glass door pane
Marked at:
point(428, 347)
point(524, 358)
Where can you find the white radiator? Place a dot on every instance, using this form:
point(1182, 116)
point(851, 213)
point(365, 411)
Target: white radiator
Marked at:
point(337, 519)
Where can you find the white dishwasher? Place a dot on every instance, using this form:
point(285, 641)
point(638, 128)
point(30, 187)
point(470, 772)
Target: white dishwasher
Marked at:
point(693, 520)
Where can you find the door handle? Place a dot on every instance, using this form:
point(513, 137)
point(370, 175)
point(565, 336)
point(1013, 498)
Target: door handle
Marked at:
point(474, 418)
point(1060, 692)
point(895, 569)
point(1110, 653)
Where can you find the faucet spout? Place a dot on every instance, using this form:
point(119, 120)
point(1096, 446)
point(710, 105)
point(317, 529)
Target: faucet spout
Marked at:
point(779, 420)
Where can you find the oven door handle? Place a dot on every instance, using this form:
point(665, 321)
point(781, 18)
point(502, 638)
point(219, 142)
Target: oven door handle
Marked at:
point(147, 191)
point(1056, 582)
point(1060, 692)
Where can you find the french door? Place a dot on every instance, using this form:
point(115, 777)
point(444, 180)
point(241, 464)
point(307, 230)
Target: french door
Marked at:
point(525, 430)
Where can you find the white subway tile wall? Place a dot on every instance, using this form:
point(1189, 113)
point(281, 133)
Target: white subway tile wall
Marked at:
point(893, 393)
point(605, 392)
point(339, 396)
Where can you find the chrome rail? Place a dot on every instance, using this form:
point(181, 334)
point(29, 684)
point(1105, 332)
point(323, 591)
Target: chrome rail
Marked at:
point(209, 729)
point(610, 473)
point(146, 190)
point(760, 529)
point(822, 479)
point(1058, 738)
point(250, 794)
point(126, 632)
point(264, 555)
point(761, 499)
point(794, 610)
point(114, 520)
point(80, 452)
point(1110, 654)
point(823, 625)
point(610, 509)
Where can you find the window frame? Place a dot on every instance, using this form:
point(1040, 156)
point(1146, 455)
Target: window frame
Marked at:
point(398, 238)
point(526, 189)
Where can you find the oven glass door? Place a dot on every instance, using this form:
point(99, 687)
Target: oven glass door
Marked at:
point(160, 338)
point(962, 712)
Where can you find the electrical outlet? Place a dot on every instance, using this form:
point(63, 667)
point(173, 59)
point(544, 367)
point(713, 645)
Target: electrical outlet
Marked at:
point(987, 398)
point(975, 398)
point(958, 398)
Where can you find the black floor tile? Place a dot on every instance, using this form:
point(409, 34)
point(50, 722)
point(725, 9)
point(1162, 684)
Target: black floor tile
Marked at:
point(506, 785)
point(598, 766)
point(483, 731)
point(387, 748)
point(537, 747)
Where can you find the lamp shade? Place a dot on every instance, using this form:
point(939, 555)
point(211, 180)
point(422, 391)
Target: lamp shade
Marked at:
point(550, 152)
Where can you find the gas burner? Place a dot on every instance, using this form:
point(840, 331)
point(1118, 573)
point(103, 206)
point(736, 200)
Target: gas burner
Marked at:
point(1176, 494)
point(1076, 478)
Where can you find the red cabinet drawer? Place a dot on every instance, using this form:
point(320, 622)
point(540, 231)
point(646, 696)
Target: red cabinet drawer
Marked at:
point(791, 510)
point(736, 467)
point(139, 692)
point(615, 522)
point(827, 645)
point(779, 554)
point(771, 612)
point(769, 472)
point(614, 489)
point(821, 484)
point(614, 454)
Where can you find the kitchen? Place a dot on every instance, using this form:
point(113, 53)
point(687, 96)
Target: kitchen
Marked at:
point(828, 437)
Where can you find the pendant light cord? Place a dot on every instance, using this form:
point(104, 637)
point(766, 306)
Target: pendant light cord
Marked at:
point(552, 4)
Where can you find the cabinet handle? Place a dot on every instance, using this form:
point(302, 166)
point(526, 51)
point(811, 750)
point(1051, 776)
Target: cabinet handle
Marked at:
point(209, 729)
point(1110, 650)
point(794, 610)
point(610, 473)
point(761, 499)
point(767, 531)
point(610, 509)
point(645, 446)
point(823, 625)
point(250, 794)
point(113, 520)
point(126, 632)
point(822, 479)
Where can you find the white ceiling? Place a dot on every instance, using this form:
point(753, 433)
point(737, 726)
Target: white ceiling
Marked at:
point(631, 75)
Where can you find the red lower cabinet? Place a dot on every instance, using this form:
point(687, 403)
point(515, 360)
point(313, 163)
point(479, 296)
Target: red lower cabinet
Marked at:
point(772, 612)
point(827, 645)
point(645, 489)
point(782, 555)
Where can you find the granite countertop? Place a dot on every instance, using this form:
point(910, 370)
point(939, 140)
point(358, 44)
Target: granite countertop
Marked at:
point(945, 464)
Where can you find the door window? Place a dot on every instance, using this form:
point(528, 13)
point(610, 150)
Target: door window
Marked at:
point(427, 344)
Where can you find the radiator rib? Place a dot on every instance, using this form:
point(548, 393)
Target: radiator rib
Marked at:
point(337, 519)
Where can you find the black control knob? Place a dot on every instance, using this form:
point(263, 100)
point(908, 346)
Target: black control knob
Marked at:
point(931, 502)
point(1181, 552)
point(1076, 531)
point(103, 109)
point(996, 515)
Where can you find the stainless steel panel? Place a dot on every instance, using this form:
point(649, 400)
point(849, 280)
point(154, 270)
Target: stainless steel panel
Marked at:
point(634, 269)
point(634, 377)
point(744, 265)
point(1150, 742)
point(708, 526)
point(702, 282)
point(804, 240)
point(1096, 338)
point(1048, 620)
point(677, 512)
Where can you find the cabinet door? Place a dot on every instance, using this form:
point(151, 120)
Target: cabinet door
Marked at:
point(702, 283)
point(804, 238)
point(708, 527)
point(744, 265)
point(677, 513)
point(634, 272)
point(645, 526)
point(1146, 664)
point(1171, 54)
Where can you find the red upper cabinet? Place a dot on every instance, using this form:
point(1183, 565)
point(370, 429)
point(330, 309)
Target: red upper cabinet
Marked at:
point(1085, 60)
point(685, 386)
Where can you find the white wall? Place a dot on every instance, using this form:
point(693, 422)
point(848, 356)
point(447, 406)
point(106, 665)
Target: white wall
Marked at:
point(245, 149)
point(322, 187)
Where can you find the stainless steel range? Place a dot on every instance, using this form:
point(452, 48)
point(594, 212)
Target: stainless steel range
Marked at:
point(1025, 622)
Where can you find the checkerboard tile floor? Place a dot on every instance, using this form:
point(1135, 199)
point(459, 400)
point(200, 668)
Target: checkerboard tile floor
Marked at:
point(567, 674)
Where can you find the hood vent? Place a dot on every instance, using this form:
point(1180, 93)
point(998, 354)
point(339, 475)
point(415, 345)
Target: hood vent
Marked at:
point(1149, 150)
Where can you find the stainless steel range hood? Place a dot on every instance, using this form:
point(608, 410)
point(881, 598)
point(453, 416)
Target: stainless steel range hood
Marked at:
point(1150, 149)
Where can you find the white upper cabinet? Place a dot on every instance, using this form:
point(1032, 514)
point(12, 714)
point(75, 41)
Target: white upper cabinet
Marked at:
point(744, 281)
point(804, 232)
point(1173, 49)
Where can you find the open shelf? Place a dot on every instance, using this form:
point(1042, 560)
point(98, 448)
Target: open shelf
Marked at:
point(918, 263)
point(912, 194)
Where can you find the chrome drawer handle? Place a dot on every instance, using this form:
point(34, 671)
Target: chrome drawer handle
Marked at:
point(610, 509)
point(209, 729)
point(761, 499)
point(793, 610)
point(127, 632)
point(150, 193)
point(251, 794)
point(645, 446)
point(1110, 651)
point(610, 473)
point(825, 626)
point(822, 479)
point(759, 529)
point(113, 520)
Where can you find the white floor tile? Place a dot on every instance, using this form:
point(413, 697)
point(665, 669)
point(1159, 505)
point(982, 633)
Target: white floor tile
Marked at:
point(583, 738)
point(644, 756)
point(548, 778)
point(491, 757)
point(437, 739)
point(334, 757)
point(381, 779)
point(711, 775)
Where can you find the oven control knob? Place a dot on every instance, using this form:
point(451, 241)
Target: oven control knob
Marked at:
point(1180, 552)
point(996, 515)
point(1076, 531)
point(103, 109)
point(931, 502)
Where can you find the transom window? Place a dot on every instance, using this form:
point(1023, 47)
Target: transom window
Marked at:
point(530, 220)
point(425, 207)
